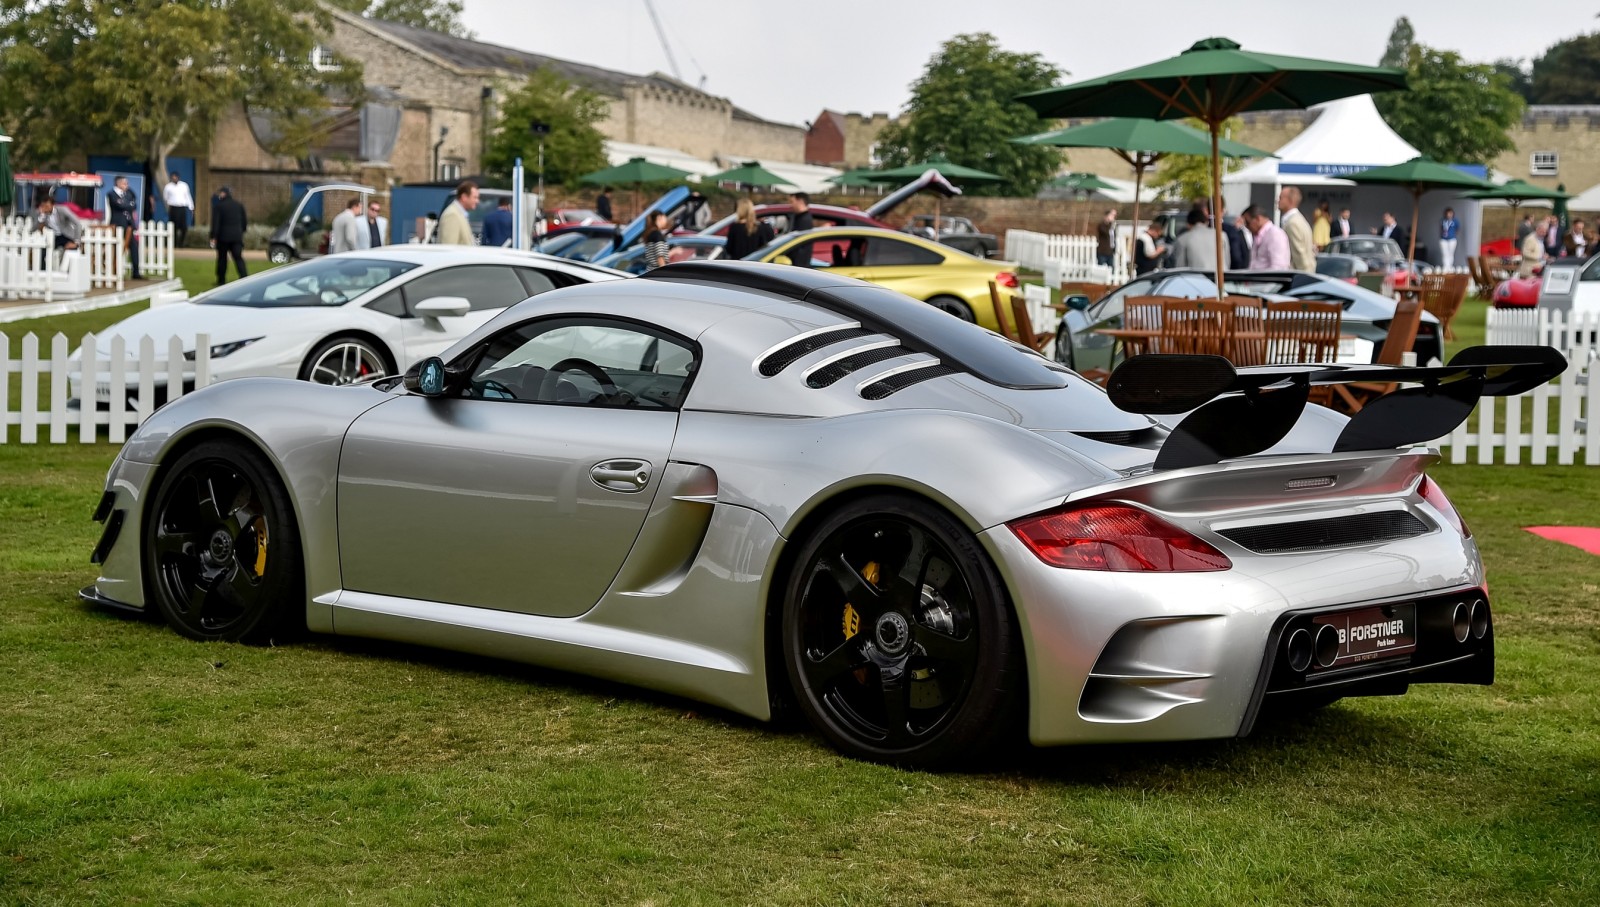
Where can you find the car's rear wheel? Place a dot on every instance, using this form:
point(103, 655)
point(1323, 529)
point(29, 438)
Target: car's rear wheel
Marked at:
point(898, 638)
point(280, 254)
point(344, 360)
point(952, 306)
point(221, 550)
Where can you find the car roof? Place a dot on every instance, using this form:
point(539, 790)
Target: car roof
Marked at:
point(436, 254)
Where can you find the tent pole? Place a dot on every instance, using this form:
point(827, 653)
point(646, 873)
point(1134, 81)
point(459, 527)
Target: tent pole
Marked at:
point(1216, 206)
point(1416, 202)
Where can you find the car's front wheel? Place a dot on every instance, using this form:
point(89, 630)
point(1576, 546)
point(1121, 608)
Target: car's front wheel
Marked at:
point(898, 638)
point(221, 550)
point(344, 360)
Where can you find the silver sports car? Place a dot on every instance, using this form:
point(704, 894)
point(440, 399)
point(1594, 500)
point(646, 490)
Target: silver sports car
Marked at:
point(756, 486)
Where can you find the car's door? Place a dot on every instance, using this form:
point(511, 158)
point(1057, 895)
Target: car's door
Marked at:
point(839, 254)
point(525, 490)
point(489, 288)
point(1586, 295)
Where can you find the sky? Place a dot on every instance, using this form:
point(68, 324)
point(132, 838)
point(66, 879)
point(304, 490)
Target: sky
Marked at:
point(787, 61)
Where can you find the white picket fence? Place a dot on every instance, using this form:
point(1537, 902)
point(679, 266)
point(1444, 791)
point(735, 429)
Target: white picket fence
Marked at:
point(31, 267)
point(1543, 327)
point(135, 372)
point(1063, 258)
point(1576, 396)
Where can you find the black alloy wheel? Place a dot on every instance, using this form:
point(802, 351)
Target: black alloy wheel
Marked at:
point(221, 552)
point(950, 305)
point(898, 639)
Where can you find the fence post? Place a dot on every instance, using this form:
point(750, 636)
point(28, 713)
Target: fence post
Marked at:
point(174, 368)
point(29, 428)
point(1567, 413)
point(117, 387)
point(58, 389)
point(147, 378)
point(88, 398)
point(5, 387)
point(1591, 415)
point(1486, 431)
point(1514, 436)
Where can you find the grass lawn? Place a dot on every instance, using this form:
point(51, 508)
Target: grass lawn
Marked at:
point(140, 767)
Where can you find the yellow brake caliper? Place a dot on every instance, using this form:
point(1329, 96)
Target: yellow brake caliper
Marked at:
point(852, 617)
point(261, 548)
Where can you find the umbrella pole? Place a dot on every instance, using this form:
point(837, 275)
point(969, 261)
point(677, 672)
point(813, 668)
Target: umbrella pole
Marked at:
point(1216, 206)
point(1416, 202)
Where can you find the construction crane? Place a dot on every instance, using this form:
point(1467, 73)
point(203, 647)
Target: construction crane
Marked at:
point(666, 47)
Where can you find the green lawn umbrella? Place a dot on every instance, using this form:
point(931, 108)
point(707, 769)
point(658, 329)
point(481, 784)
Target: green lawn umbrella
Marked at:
point(1140, 142)
point(637, 170)
point(1419, 175)
point(1083, 182)
point(856, 178)
point(5, 171)
point(749, 173)
point(1212, 81)
point(955, 173)
point(1518, 191)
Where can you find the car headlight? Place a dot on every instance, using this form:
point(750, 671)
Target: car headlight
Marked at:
point(224, 349)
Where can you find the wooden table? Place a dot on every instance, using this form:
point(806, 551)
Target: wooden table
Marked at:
point(1138, 335)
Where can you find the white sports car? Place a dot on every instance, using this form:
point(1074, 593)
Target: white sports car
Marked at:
point(352, 316)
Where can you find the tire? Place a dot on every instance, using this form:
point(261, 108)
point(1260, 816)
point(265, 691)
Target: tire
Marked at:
point(953, 306)
point(1064, 352)
point(280, 254)
point(221, 550)
point(345, 360)
point(919, 661)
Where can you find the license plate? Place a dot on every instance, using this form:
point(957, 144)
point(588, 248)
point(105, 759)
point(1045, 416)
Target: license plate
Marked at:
point(1371, 634)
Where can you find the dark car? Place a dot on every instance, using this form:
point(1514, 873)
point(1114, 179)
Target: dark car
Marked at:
point(1341, 267)
point(957, 233)
point(1366, 314)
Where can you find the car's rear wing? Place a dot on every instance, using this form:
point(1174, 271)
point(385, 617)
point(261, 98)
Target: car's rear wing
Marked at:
point(1239, 412)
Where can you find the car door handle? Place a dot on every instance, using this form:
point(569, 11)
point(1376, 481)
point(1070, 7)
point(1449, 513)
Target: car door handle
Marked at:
point(621, 475)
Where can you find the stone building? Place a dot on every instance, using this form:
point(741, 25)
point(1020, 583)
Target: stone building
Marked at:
point(432, 103)
point(844, 140)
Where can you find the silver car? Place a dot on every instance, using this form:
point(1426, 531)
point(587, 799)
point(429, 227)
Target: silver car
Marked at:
point(756, 486)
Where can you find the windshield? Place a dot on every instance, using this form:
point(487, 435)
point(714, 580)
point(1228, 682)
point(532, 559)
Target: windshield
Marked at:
point(334, 280)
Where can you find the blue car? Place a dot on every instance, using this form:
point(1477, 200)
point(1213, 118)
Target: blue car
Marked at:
point(694, 247)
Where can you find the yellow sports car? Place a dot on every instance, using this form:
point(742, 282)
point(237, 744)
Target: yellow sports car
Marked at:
point(946, 278)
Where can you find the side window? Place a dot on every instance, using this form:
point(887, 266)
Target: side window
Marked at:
point(1111, 306)
point(536, 281)
point(487, 287)
point(1591, 271)
point(585, 362)
point(881, 252)
point(799, 254)
point(392, 303)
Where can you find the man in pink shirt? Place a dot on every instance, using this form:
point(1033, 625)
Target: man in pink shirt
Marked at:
point(1270, 251)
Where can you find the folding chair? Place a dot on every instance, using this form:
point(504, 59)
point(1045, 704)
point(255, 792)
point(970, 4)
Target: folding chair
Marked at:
point(1248, 344)
point(1002, 313)
point(1196, 327)
point(1143, 313)
point(1401, 338)
point(1302, 331)
point(1024, 326)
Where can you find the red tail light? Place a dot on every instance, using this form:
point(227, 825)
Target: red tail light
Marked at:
point(1006, 279)
point(1433, 495)
point(1117, 538)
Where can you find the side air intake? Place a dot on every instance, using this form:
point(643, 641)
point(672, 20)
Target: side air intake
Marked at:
point(898, 381)
point(780, 358)
point(829, 374)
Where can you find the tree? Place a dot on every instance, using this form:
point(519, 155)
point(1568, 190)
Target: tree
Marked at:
point(1188, 176)
point(1517, 76)
point(1456, 112)
point(1401, 39)
point(434, 15)
point(143, 76)
point(1568, 73)
point(573, 147)
point(964, 107)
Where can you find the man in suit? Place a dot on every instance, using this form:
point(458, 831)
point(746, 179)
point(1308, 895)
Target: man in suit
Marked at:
point(1238, 250)
point(1341, 227)
point(347, 228)
point(454, 227)
point(227, 233)
point(124, 205)
point(1302, 251)
point(1196, 247)
point(1392, 230)
point(373, 229)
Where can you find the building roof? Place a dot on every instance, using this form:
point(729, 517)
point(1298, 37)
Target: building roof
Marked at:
point(481, 55)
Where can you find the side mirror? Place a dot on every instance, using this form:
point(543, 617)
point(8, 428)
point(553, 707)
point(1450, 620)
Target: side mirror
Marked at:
point(443, 307)
point(1077, 303)
point(783, 260)
point(428, 377)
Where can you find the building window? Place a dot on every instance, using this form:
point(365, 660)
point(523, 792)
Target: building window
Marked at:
point(323, 59)
point(449, 171)
point(1543, 163)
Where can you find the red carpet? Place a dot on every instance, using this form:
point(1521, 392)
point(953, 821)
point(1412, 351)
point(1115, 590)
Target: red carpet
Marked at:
point(1585, 537)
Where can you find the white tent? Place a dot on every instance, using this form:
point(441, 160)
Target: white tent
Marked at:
point(804, 177)
point(1347, 137)
point(1587, 201)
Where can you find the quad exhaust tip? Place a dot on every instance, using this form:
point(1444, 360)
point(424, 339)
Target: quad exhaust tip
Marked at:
point(1480, 619)
point(1299, 649)
point(1327, 645)
point(1461, 621)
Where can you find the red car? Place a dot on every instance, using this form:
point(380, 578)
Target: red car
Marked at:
point(1517, 293)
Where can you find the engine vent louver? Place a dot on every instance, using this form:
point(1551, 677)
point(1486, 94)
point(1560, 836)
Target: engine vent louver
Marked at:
point(784, 356)
point(877, 390)
point(1138, 437)
point(828, 374)
point(1334, 532)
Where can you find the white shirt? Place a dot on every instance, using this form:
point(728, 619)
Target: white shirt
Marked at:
point(176, 195)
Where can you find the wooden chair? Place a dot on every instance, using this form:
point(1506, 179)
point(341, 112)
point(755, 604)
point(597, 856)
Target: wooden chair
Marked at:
point(1401, 338)
point(1196, 327)
point(1248, 345)
point(1302, 331)
point(1143, 313)
point(1483, 285)
point(1002, 314)
point(1024, 326)
point(1455, 289)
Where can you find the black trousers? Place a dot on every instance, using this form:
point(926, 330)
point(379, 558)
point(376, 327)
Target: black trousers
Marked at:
point(180, 224)
point(224, 249)
point(132, 248)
